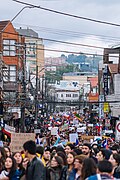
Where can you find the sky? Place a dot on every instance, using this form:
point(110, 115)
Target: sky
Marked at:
point(59, 27)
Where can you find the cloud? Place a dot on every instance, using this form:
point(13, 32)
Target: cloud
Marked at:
point(62, 27)
point(88, 40)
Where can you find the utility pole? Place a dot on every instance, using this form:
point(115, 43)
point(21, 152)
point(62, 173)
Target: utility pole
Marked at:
point(36, 98)
point(42, 95)
point(24, 92)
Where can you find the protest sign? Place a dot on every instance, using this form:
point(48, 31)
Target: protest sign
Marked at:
point(18, 139)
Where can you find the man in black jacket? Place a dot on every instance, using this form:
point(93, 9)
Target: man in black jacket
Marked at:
point(35, 168)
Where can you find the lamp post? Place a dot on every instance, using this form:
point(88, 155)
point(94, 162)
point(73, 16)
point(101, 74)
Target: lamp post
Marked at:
point(25, 7)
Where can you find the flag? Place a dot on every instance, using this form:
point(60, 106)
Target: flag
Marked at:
point(77, 142)
point(104, 144)
point(57, 141)
point(77, 116)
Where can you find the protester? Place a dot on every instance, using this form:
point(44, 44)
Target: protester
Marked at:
point(103, 154)
point(55, 168)
point(105, 171)
point(68, 171)
point(7, 150)
point(78, 163)
point(35, 169)
point(86, 150)
point(2, 158)
point(39, 153)
point(88, 168)
point(18, 157)
point(63, 156)
point(10, 172)
point(115, 160)
point(47, 156)
point(69, 148)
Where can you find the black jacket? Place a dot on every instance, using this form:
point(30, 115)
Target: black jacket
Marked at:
point(35, 170)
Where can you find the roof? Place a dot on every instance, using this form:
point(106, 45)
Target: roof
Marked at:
point(93, 81)
point(113, 68)
point(3, 24)
point(27, 32)
point(79, 74)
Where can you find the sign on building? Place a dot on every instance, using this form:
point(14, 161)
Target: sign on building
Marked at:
point(101, 101)
point(105, 80)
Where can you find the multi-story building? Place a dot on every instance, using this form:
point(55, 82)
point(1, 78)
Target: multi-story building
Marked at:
point(109, 78)
point(12, 49)
point(34, 51)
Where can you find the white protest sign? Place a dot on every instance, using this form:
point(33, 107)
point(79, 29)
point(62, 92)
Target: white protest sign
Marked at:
point(81, 129)
point(73, 137)
point(54, 131)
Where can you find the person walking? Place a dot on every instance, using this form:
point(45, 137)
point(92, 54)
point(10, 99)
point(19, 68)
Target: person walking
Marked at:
point(35, 169)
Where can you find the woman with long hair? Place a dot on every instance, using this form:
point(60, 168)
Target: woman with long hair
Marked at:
point(115, 160)
point(78, 163)
point(19, 163)
point(10, 171)
point(55, 168)
point(68, 172)
point(89, 168)
point(2, 158)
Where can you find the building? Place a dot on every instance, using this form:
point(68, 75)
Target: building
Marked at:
point(109, 78)
point(67, 95)
point(82, 77)
point(34, 51)
point(12, 56)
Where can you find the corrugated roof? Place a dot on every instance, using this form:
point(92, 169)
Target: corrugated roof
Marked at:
point(27, 32)
point(113, 68)
point(3, 24)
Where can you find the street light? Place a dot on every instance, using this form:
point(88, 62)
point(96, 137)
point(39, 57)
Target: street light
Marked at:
point(25, 7)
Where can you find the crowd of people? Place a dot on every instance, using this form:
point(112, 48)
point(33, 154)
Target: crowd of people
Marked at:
point(70, 162)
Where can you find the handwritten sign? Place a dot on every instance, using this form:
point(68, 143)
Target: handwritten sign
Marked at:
point(18, 139)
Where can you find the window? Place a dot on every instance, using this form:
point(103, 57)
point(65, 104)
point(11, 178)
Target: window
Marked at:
point(68, 95)
point(10, 74)
point(31, 50)
point(61, 95)
point(9, 48)
point(75, 95)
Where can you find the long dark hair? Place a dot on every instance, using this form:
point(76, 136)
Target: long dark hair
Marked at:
point(3, 158)
point(19, 165)
point(13, 168)
point(89, 168)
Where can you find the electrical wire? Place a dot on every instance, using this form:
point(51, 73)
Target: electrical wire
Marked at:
point(67, 14)
point(57, 41)
point(69, 33)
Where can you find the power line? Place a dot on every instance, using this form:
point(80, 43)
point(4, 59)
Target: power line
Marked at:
point(67, 14)
point(59, 41)
point(64, 51)
point(68, 32)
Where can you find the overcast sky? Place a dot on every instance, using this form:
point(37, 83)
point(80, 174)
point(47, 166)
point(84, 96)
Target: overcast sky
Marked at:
point(64, 28)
